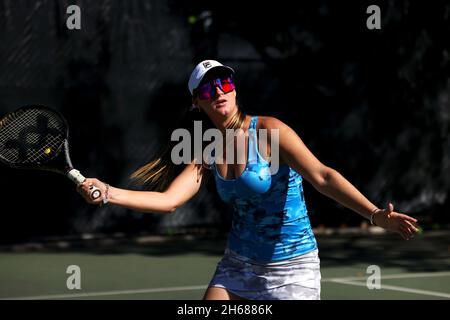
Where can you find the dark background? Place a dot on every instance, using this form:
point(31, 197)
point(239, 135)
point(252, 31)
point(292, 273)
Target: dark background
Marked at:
point(372, 104)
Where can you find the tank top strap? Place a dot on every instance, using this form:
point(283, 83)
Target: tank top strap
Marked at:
point(252, 141)
point(253, 122)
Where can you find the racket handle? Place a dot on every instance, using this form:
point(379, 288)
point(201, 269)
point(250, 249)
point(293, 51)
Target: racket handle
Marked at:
point(76, 176)
point(78, 179)
point(95, 192)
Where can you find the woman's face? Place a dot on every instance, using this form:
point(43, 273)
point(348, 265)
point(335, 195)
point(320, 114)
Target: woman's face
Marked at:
point(219, 96)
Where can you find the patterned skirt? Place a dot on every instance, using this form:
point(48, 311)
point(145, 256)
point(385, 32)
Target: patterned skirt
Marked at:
point(293, 279)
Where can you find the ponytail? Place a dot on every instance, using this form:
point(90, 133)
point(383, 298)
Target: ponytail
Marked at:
point(160, 171)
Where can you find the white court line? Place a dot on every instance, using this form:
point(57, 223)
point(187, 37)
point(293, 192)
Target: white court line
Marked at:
point(107, 293)
point(396, 288)
point(393, 276)
point(344, 280)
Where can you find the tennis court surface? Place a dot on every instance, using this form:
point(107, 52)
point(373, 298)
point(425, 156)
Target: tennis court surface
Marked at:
point(177, 269)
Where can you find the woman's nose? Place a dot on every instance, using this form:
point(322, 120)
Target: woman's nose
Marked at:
point(218, 90)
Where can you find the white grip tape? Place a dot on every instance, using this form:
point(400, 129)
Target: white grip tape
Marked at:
point(76, 176)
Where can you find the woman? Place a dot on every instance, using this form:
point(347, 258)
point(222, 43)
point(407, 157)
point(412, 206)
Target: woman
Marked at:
point(272, 252)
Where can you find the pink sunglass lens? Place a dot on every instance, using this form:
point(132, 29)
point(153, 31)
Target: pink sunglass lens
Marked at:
point(227, 87)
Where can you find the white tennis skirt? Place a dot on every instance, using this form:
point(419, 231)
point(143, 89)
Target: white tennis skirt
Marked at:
point(293, 279)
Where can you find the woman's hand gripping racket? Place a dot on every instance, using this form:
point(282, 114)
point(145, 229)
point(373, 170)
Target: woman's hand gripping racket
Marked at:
point(36, 137)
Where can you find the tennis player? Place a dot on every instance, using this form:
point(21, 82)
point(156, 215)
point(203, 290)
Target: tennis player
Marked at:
point(272, 252)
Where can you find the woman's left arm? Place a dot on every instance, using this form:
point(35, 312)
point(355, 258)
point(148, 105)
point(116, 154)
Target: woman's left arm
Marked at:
point(331, 183)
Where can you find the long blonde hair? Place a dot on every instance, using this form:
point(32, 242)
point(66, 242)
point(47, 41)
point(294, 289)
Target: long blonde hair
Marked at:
point(160, 171)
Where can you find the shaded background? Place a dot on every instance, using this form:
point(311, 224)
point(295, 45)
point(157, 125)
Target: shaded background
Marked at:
point(373, 104)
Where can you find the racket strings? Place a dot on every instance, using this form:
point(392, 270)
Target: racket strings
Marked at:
point(31, 136)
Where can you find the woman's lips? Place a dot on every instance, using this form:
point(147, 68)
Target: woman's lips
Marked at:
point(220, 103)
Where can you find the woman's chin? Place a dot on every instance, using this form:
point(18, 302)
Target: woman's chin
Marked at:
point(225, 110)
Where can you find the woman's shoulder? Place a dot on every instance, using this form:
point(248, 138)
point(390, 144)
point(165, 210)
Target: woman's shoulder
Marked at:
point(269, 122)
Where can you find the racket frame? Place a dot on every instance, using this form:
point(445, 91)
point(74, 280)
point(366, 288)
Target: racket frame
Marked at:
point(57, 162)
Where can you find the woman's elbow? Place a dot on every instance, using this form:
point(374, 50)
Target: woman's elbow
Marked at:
point(169, 208)
point(174, 201)
point(172, 209)
point(172, 206)
point(164, 208)
point(169, 204)
point(323, 177)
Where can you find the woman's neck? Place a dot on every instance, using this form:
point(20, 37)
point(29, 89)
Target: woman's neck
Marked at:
point(224, 122)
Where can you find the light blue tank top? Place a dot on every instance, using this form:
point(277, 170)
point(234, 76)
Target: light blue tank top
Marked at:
point(270, 220)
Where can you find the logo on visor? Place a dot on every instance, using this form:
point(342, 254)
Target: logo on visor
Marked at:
point(207, 64)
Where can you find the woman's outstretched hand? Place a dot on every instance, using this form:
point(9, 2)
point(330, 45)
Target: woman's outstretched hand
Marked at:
point(390, 220)
point(85, 190)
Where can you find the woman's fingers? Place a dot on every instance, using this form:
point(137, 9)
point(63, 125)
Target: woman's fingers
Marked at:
point(410, 226)
point(406, 217)
point(409, 220)
point(89, 183)
point(405, 225)
point(404, 234)
point(81, 188)
point(85, 189)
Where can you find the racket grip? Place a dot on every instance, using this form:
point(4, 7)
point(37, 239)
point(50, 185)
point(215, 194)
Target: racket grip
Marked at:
point(76, 176)
point(78, 179)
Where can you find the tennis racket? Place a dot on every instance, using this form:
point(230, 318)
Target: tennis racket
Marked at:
point(36, 137)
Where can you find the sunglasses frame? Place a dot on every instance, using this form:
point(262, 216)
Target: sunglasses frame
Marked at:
point(211, 85)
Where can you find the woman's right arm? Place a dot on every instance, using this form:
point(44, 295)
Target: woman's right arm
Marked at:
point(182, 188)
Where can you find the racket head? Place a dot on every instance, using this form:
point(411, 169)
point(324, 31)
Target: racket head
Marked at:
point(32, 137)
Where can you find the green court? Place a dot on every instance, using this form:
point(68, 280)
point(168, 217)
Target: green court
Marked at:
point(180, 268)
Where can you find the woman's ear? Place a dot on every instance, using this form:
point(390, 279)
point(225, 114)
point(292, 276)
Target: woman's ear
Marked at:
point(194, 105)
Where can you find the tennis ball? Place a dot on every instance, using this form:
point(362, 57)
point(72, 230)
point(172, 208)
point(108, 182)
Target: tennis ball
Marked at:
point(420, 232)
point(192, 19)
point(47, 151)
